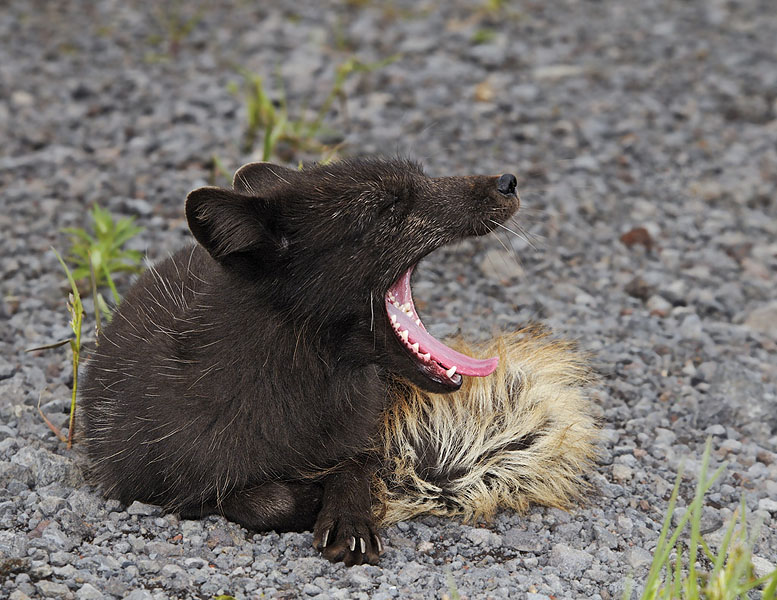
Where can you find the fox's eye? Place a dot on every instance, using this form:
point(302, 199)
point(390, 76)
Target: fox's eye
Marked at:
point(391, 202)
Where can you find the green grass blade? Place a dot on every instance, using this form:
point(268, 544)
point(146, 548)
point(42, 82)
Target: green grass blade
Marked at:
point(770, 592)
point(58, 344)
point(724, 546)
point(70, 278)
point(111, 284)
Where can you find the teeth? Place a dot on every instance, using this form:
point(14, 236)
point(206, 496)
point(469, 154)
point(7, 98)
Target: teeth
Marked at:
point(418, 322)
point(397, 304)
point(450, 372)
point(427, 356)
point(406, 307)
point(415, 347)
point(403, 335)
point(393, 318)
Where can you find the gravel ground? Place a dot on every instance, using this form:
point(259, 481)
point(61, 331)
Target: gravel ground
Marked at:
point(650, 118)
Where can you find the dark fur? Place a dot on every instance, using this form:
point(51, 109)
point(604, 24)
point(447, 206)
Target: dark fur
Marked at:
point(246, 375)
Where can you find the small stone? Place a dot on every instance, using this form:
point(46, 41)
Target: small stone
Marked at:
point(718, 430)
point(639, 288)
point(625, 523)
point(311, 589)
point(658, 305)
point(479, 536)
point(730, 446)
point(60, 559)
point(219, 537)
point(149, 566)
point(139, 595)
point(638, 557)
point(768, 504)
point(665, 437)
point(523, 541)
point(761, 566)
point(52, 589)
point(764, 320)
point(141, 509)
point(88, 592)
point(569, 560)
point(691, 327)
point(637, 236)
point(622, 472)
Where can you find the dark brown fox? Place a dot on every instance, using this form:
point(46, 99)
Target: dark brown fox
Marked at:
point(250, 375)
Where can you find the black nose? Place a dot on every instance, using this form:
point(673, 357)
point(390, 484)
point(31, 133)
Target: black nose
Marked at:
point(506, 184)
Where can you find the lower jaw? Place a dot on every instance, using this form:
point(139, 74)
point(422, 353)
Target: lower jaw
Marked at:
point(427, 371)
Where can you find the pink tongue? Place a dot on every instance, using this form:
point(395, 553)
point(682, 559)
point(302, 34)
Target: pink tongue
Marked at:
point(448, 357)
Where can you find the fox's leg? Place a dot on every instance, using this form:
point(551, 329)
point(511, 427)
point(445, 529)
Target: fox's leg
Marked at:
point(345, 530)
point(279, 506)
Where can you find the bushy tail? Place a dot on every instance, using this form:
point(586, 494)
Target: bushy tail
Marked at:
point(524, 434)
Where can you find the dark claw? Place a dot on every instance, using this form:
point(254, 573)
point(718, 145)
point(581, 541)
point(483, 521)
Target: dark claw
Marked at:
point(353, 543)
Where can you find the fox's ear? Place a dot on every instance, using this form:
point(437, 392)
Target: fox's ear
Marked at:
point(255, 178)
point(225, 222)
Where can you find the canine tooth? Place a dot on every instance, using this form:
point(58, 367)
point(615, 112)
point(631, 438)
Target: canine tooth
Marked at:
point(403, 334)
point(450, 372)
point(415, 347)
point(427, 356)
point(407, 306)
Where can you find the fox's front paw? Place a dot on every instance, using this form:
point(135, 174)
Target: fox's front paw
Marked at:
point(348, 538)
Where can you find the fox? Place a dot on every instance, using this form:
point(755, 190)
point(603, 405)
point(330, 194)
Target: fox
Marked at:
point(277, 371)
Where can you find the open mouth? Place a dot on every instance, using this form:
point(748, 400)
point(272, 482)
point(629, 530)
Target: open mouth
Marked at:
point(438, 362)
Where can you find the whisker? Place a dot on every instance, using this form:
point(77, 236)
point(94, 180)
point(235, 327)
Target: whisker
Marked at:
point(512, 252)
point(372, 313)
point(516, 234)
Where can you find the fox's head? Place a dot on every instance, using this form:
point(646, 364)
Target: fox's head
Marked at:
point(336, 244)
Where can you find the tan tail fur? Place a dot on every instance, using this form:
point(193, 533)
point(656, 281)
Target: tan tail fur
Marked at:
point(523, 435)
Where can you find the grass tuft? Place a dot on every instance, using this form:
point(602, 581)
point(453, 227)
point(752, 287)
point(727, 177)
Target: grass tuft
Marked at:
point(725, 575)
point(271, 120)
point(98, 255)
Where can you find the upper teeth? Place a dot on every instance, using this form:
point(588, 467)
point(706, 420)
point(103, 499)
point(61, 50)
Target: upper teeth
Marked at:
point(450, 372)
point(403, 334)
point(415, 347)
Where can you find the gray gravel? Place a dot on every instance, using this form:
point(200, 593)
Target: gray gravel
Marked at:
point(650, 118)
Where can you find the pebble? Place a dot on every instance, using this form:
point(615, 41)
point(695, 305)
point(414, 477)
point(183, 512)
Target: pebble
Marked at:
point(138, 508)
point(52, 589)
point(89, 592)
point(622, 472)
point(569, 560)
point(768, 504)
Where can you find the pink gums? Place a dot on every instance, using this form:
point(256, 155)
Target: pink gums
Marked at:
point(404, 318)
